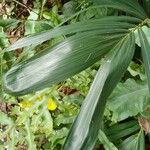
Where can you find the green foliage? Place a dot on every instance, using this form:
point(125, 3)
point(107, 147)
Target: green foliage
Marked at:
point(134, 142)
point(5, 120)
point(105, 141)
point(137, 70)
point(93, 106)
point(118, 131)
point(128, 99)
point(82, 80)
point(145, 44)
point(3, 39)
point(78, 91)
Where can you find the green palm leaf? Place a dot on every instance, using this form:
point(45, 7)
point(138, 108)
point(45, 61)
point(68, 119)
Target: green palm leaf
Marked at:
point(146, 5)
point(105, 141)
point(145, 47)
point(120, 130)
point(84, 131)
point(105, 24)
point(130, 6)
point(51, 66)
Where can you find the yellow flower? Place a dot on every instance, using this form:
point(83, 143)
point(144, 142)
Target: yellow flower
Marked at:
point(25, 104)
point(51, 105)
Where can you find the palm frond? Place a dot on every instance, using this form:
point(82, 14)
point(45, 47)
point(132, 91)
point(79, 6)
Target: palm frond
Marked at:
point(84, 132)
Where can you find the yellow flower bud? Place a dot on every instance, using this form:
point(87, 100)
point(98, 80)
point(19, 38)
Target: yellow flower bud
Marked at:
point(51, 105)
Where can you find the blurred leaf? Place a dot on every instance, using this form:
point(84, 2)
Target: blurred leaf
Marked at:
point(5, 120)
point(146, 31)
point(120, 130)
point(82, 81)
point(145, 47)
point(135, 142)
point(52, 16)
point(146, 5)
point(32, 26)
point(42, 122)
point(47, 122)
point(61, 119)
point(128, 99)
point(58, 137)
point(137, 70)
point(69, 8)
point(8, 23)
point(3, 39)
point(13, 139)
point(33, 15)
point(74, 98)
point(30, 137)
point(131, 6)
point(105, 141)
